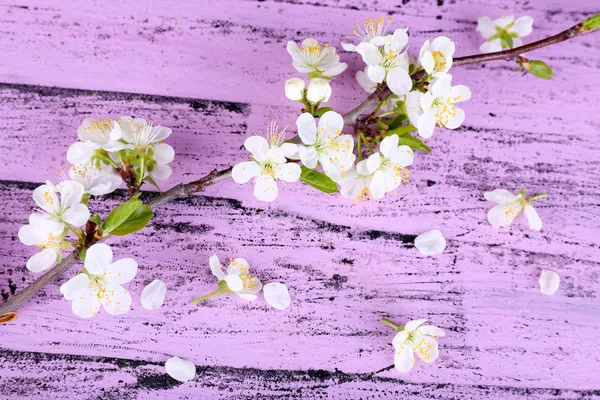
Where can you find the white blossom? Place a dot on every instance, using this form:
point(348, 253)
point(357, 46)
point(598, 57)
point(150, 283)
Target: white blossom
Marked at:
point(372, 31)
point(153, 295)
point(370, 86)
point(48, 235)
point(95, 180)
point(418, 339)
point(315, 60)
point(500, 32)
point(387, 167)
point(324, 144)
point(66, 208)
point(94, 134)
point(549, 282)
point(354, 185)
point(100, 283)
point(438, 106)
point(180, 369)
point(268, 163)
point(277, 295)
point(430, 242)
point(389, 63)
point(509, 207)
point(436, 57)
point(237, 277)
point(294, 89)
point(319, 90)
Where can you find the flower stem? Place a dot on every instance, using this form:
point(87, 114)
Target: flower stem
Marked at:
point(366, 142)
point(538, 196)
point(223, 288)
point(359, 147)
point(78, 234)
point(141, 176)
point(393, 325)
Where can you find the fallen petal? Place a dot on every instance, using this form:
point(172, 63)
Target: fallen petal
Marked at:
point(549, 281)
point(277, 295)
point(180, 369)
point(153, 295)
point(430, 242)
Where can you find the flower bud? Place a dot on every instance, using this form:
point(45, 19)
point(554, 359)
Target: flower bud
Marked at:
point(319, 90)
point(294, 88)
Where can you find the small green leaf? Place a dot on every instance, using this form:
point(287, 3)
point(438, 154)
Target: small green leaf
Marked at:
point(539, 69)
point(592, 22)
point(317, 180)
point(96, 219)
point(402, 130)
point(320, 111)
point(127, 218)
point(413, 143)
point(152, 182)
point(396, 121)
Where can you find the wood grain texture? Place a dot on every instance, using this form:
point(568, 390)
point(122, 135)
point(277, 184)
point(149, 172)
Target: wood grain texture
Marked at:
point(347, 265)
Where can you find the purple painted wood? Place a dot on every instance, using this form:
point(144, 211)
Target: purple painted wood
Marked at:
point(346, 264)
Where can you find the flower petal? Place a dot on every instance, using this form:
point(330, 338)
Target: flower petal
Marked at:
point(277, 295)
point(234, 283)
point(376, 73)
point(153, 295)
point(215, 267)
point(163, 153)
point(455, 120)
point(307, 128)
point(486, 27)
point(535, 222)
point(81, 152)
point(331, 124)
point(121, 271)
point(427, 62)
point(459, 93)
point(161, 172)
point(430, 242)
point(431, 331)
point(503, 214)
point(373, 163)
point(426, 124)
point(288, 172)
point(388, 145)
point(491, 46)
point(377, 186)
point(76, 215)
point(500, 196)
point(404, 155)
point(365, 82)
point(426, 348)
point(265, 188)
point(71, 193)
point(370, 53)
point(414, 324)
point(41, 261)
point(258, 146)
point(549, 282)
point(244, 171)
point(98, 258)
point(75, 286)
point(116, 299)
point(86, 304)
point(308, 156)
point(180, 369)
point(404, 359)
point(104, 184)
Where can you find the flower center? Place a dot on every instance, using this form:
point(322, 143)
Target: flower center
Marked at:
point(439, 59)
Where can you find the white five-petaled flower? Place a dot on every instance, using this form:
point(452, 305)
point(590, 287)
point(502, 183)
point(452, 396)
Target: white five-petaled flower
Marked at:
point(100, 283)
point(95, 181)
point(372, 31)
point(237, 276)
point(315, 60)
point(145, 136)
point(436, 57)
point(418, 339)
point(389, 63)
point(67, 208)
point(438, 106)
point(387, 167)
point(504, 32)
point(48, 235)
point(268, 163)
point(354, 185)
point(325, 144)
point(370, 86)
point(509, 207)
point(95, 135)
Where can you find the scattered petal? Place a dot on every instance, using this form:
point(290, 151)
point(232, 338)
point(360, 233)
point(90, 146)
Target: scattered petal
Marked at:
point(153, 295)
point(549, 282)
point(180, 369)
point(430, 242)
point(277, 295)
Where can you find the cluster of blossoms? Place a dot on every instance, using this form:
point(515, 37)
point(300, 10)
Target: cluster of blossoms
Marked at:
point(504, 32)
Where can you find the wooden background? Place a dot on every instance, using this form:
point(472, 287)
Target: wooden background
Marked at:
point(214, 72)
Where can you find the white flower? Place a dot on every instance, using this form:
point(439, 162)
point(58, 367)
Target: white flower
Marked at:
point(325, 144)
point(314, 60)
point(438, 106)
point(153, 295)
point(268, 163)
point(180, 369)
point(502, 31)
point(372, 31)
point(319, 90)
point(67, 208)
point(413, 107)
point(95, 181)
point(436, 57)
point(418, 339)
point(355, 186)
point(430, 242)
point(237, 277)
point(95, 135)
point(370, 86)
point(100, 283)
point(144, 135)
point(549, 282)
point(509, 207)
point(48, 236)
point(387, 167)
point(294, 89)
point(389, 63)
point(277, 295)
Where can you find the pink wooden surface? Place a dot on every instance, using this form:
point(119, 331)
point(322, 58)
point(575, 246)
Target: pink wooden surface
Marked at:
point(214, 72)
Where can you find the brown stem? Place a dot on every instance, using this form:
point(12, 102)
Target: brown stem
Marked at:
point(11, 306)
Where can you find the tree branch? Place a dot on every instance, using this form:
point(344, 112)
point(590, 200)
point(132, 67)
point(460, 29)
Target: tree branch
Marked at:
point(9, 308)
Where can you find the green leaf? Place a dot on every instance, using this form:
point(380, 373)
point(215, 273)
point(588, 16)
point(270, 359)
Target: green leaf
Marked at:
point(96, 219)
point(151, 181)
point(320, 111)
point(317, 180)
point(396, 121)
point(539, 69)
point(402, 130)
point(127, 218)
point(413, 143)
point(592, 22)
